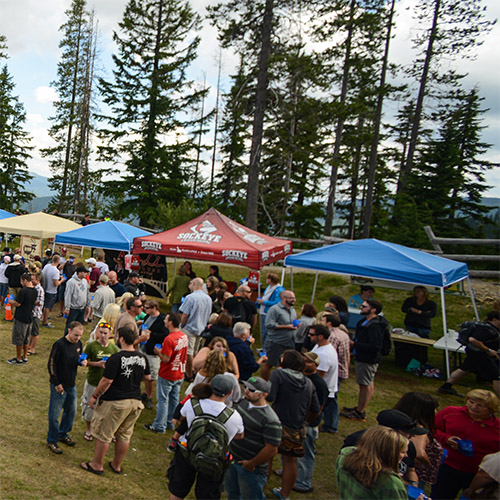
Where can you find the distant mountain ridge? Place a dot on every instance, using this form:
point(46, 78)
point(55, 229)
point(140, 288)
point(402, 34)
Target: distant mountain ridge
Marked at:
point(39, 186)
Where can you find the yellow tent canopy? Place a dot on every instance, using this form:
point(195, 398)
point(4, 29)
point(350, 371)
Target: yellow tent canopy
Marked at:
point(40, 225)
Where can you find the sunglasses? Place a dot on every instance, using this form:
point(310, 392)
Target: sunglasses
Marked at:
point(105, 325)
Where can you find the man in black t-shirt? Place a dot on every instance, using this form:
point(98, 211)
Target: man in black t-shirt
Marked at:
point(23, 318)
point(119, 405)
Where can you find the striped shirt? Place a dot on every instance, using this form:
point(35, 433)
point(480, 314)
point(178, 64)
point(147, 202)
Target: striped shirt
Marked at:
point(262, 426)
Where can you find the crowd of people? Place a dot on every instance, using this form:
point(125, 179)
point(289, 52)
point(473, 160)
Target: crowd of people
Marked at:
point(230, 423)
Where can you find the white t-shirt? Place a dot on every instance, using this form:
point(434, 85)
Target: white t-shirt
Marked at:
point(103, 267)
point(234, 424)
point(3, 279)
point(234, 397)
point(329, 363)
point(51, 273)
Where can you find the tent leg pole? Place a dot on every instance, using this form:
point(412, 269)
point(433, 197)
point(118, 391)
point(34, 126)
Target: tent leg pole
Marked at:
point(175, 264)
point(283, 276)
point(314, 287)
point(473, 298)
point(291, 279)
point(445, 328)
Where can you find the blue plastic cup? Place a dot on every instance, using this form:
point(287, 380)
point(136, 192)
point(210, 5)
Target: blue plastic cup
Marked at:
point(158, 346)
point(105, 358)
point(82, 357)
point(296, 322)
point(414, 492)
point(466, 447)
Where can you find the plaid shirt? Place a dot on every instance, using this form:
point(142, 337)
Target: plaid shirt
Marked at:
point(40, 299)
point(340, 341)
point(389, 485)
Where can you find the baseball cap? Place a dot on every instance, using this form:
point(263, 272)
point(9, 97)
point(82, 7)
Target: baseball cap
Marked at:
point(133, 274)
point(257, 384)
point(17, 257)
point(91, 261)
point(312, 356)
point(221, 385)
point(400, 421)
point(6, 259)
point(81, 269)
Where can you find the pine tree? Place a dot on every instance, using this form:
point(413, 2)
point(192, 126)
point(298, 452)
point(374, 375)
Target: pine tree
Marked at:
point(14, 143)
point(450, 175)
point(71, 123)
point(149, 104)
point(455, 29)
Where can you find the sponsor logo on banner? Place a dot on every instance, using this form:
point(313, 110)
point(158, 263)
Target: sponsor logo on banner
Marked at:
point(155, 246)
point(201, 233)
point(252, 238)
point(265, 255)
point(277, 252)
point(235, 255)
point(287, 249)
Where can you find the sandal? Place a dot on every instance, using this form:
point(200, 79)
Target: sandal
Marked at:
point(89, 468)
point(88, 437)
point(116, 471)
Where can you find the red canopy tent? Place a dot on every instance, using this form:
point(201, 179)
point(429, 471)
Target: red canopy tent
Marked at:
point(214, 237)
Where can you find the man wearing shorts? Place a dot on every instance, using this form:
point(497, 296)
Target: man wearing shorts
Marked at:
point(173, 355)
point(97, 353)
point(37, 312)
point(119, 405)
point(53, 279)
point(280, 331)
point(482, 355)
point(195, 312)
point(368, 344)
point(23, 317)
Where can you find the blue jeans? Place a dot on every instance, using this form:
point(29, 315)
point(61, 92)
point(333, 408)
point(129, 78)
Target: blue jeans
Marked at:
point(74, 315)
point(421, 332)
point(263, 329)
point(241, 484)
point(65, 402)
point(167, 395)
point(331, 415)
point(305, 464)
point(175, 308)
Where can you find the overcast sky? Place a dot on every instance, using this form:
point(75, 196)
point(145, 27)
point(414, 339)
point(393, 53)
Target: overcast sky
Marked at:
point(31, 27)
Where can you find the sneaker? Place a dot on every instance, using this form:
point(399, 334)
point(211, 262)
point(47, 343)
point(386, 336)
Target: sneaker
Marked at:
point(67, 441)
point(355, 415)
point(54, 448)
point(348, 409)
point(14, 361)
point(172, 446)
point(277, 492)
point(25, 360)
point(149, 427)
point(303, 490)
point(448, 389)
point(149, 403)
point(144, 397)
point(48, 325)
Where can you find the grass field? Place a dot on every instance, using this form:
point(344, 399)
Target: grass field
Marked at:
point(29, 470)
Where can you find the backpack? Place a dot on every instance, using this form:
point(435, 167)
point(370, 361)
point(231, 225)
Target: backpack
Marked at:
point(208, 441)
point(387, 342)
point(467, 329)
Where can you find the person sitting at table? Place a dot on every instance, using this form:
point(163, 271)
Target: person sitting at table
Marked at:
point(419, 312)
point(366, 293)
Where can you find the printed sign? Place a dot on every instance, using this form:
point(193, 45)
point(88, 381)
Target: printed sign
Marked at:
point(30, 247)
point(201, 233)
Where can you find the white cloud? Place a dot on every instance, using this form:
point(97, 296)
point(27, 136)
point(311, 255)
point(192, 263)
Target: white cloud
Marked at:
point(46, 95)
point(34, 118)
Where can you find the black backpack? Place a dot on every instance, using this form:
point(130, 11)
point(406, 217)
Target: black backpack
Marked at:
point(208, 441)
point(468, 329)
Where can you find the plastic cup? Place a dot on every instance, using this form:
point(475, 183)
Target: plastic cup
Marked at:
point(105, 358)
point(158, 346)
point(296, 322)
point(262, 353)
point(466, 447)
point(414, 492)
point(82, 357)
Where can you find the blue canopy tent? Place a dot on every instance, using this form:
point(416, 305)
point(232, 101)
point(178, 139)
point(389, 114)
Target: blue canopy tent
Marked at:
point(371, 258)
point(5, 215)
point(109, 235)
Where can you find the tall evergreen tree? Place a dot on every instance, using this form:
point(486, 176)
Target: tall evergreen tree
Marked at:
point(149, 104)
point(450, 175)
point(14, 143)
point(454, 29)
point(71, 123)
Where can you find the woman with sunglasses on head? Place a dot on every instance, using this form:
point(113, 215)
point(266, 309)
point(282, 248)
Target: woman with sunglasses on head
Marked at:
point(97, 353)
